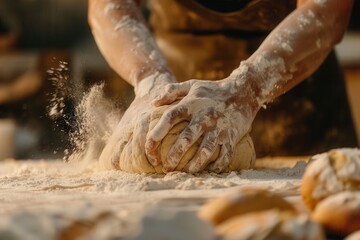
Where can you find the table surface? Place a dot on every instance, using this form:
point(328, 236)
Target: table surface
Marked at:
point(78, 190)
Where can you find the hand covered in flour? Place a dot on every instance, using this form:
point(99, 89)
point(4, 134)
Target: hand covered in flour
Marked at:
point(130, 133)
point(219, 111)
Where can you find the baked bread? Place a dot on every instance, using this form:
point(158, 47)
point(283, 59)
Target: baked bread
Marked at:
point(271, 224)
point(243, 201)
point(330, 173)
point(340, 213)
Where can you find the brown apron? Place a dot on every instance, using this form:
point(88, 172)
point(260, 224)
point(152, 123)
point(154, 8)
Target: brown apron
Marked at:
point(208, 39)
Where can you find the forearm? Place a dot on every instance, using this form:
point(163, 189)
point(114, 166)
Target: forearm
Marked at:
point(296, 48)
point(124, 39)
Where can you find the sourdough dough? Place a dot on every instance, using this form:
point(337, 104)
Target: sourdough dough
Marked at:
point(329, 173)
point(133, 159)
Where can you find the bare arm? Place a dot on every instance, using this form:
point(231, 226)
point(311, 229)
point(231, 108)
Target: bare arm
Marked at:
point(125, 41)
point(222, 112)
point(297, 47)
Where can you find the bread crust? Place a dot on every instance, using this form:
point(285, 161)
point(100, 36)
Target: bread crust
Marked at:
point(340, 213)
point(270, 225)
point(243, 201)
point(329, 173)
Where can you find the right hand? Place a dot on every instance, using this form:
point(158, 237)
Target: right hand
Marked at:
point(220, 111)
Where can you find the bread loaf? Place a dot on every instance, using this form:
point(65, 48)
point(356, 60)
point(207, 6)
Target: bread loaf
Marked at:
point(330, 173)
point(340, 213)
point(243, 201)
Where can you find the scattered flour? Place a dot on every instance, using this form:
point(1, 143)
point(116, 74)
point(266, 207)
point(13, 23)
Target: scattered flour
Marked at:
point(47, 197)
point(59, 78)
point(96, 119)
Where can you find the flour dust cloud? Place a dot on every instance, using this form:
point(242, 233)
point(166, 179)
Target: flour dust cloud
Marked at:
point(94, 117)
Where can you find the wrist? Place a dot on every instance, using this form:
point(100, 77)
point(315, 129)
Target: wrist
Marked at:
point(266, 74)
point(153, 82)
point(245, 88)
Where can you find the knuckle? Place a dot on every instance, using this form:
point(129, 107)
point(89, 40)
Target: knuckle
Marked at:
point(187, 135)
point(183, 142)
point(206, 152)
point(170, 88)
point(149, 145)
point(176, 153)
point(208, 146)
point(175, 113)
point(171, 115)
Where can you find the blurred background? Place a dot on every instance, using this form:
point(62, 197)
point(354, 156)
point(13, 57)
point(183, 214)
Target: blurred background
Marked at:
point(35, 36)
point(39, 35)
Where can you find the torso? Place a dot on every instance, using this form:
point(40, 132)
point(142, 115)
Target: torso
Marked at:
point(201, 15)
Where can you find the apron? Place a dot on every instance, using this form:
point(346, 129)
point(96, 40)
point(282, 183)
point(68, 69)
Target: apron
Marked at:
point(208, 39)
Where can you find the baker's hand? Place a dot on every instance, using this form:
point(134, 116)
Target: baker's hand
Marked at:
point(219, 111)
point(130, 133)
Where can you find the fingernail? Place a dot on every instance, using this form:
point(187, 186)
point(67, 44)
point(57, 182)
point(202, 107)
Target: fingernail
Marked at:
point(169, 164)
point(190, 167)
point(153, 160)
point(167, 168)
point(150, 144)
point(217, 170)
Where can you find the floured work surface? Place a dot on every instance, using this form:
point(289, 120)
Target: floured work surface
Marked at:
point(59, 196)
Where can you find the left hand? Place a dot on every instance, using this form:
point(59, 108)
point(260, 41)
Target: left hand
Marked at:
point(220, 111)
point(128, 139)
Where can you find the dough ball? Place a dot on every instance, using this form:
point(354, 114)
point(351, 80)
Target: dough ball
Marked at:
point(330, 173)
point(246, 200)
point(339, 213)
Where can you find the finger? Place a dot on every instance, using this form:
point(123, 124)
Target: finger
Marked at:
point(204, 153)
point(183, 143)
point(224, 159)
point(172, 93)
point(138, 142)
point(167, 121)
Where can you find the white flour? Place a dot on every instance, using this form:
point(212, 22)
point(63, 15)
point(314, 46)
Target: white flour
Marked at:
point(56, 194)
point(59, 79)
point(87, 177)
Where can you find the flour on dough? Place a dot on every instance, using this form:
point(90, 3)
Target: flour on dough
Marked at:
point(133, 159)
